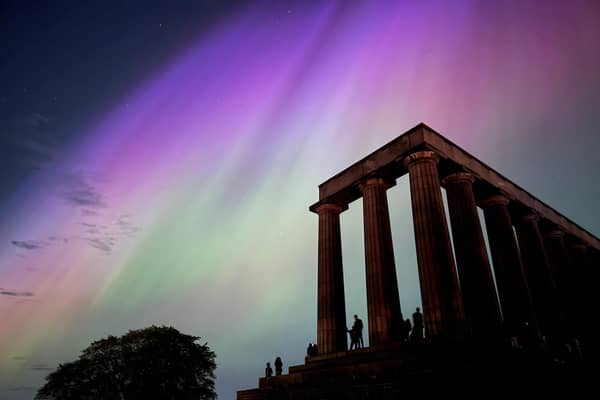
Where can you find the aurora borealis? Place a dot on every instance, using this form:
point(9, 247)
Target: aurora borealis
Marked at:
point(182, 199)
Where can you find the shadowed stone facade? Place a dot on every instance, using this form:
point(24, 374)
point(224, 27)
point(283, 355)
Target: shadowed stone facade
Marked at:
point(533, 303)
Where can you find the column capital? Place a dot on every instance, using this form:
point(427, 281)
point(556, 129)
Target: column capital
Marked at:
point(495, 200)
point(530, 216)
point(579, 246)
point(458, 177)
point(376, 181)
point(554, 233)
point(420, 156)
point(322, 208)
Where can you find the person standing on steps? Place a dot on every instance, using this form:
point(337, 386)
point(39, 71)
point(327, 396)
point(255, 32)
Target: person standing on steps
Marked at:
point(357, 329)
point(406, 329)
point(353, 338)
point(418, 327)
point(278, 366)
point(268, 370)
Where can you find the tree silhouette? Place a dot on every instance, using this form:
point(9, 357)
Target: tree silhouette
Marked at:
point(150, 363)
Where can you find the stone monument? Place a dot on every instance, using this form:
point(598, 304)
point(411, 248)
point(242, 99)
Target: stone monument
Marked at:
point(533, 316)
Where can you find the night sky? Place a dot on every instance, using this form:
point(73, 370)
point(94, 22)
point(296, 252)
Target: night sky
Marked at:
point(157, 158)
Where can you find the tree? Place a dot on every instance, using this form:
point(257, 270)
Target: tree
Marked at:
point(150, 363)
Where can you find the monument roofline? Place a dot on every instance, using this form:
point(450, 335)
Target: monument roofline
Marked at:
point(386, 162)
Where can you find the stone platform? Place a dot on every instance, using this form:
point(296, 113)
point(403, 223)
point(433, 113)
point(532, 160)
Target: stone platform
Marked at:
point(388, 372)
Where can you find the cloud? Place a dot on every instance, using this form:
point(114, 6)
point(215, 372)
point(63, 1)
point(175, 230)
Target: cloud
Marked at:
point(41, 367)
point(22, 388)
point(87, 213)
point(32, 142)
point(105, 237)
point(82, 190)
point(29, 244)
point(14, 293)
point(39, 150)
point(83, 195)
point(27, 301)
point(125, 226)
point(37, 120)
point(58, 239)
point(79, 189)
point(100, 243)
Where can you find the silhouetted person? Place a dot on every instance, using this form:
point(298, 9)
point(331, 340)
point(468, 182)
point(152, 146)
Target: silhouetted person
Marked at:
point(406, 328)
point(353, 339)
point(357, 328)
point(417, 328)
point(315, 350)
point(309, 349)
point(278, 366)
point(268, 370)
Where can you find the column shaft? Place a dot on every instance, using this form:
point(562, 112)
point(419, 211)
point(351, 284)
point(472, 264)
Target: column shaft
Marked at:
point(331, 310)
point(442, 305)
point(589, 305)
point(560, 265)
point(510, 276)
point(383, 302)
point(539, 276)
point(476, 281)
point(579, 290)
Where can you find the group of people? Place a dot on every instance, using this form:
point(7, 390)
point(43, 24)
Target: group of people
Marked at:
point(356, 336)
point(412, 332)
point(409, 332)
point(278, 368)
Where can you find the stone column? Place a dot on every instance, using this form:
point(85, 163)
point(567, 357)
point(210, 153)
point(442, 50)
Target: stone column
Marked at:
point(476, 281)
point(589, 305)
point(579, 290)
point(510, 276)
point(331, 309)
point(442, 306)
point(537, 269)
point(383, 302)
point(560, 265)
point(556, 250)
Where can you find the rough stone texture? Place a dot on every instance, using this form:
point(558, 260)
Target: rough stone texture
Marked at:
point(442, 306)
point(383, 301)
point(331, 309)
point(476, 281)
